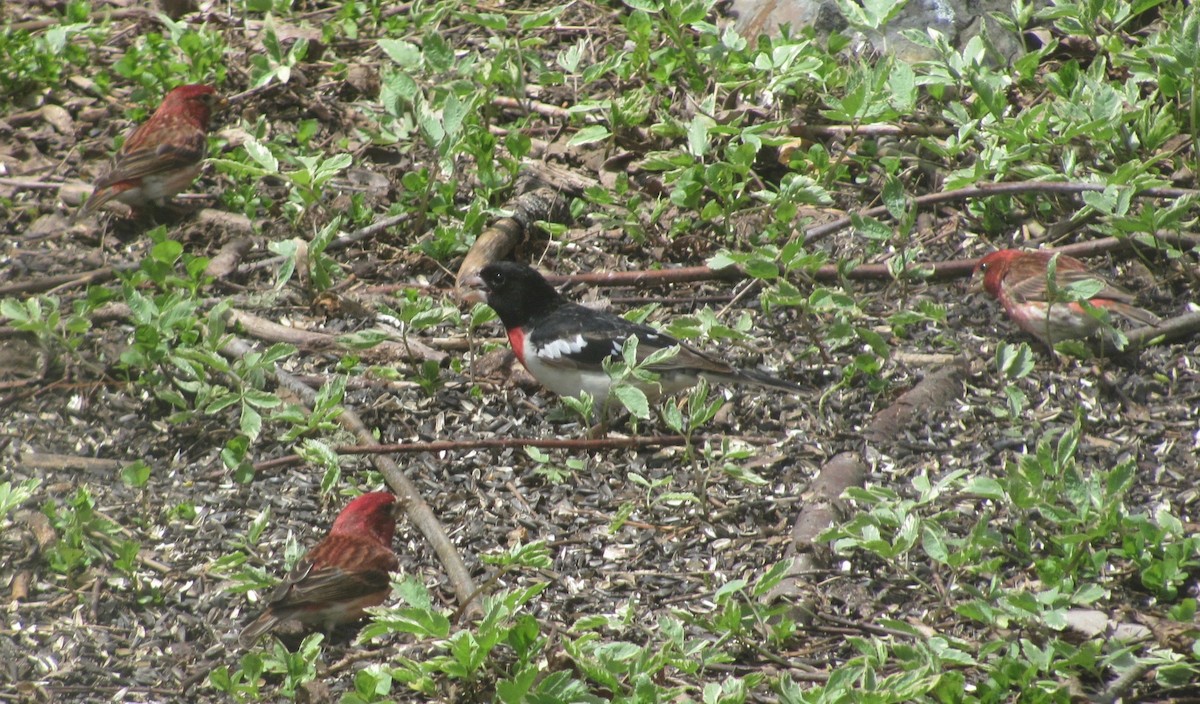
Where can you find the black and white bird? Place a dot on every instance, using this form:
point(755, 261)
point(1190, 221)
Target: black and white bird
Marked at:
point(564, 344)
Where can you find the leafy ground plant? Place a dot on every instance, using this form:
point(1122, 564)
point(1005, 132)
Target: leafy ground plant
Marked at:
point(159, 470)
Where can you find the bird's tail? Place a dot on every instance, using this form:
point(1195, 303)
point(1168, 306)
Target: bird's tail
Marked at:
point(266, 621)
point(95, 201)
point(1137, 315)
point(753, 376)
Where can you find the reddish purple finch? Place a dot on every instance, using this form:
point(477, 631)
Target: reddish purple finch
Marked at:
point(1019, 281)
point(163, 155)
point(342, 575)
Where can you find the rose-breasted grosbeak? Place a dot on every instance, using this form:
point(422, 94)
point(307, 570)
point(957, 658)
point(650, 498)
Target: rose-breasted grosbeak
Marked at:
point(564, 344)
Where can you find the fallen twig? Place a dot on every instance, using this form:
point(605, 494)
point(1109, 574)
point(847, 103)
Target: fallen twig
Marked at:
point(39, 461)
point(339, 242)
point(582, 444)
point(226, 261)
point(31, 184)
point(1177, 328)
point(801, 129)
point(527, 106)
point(937, 271)
point(820, 232)
point(61, 281)
point(263, 329)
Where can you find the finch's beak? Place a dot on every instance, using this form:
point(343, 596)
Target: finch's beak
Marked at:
point(975, 283)
point(473, 290)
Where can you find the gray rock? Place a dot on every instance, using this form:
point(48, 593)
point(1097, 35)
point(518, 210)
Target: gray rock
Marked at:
point(957, 20)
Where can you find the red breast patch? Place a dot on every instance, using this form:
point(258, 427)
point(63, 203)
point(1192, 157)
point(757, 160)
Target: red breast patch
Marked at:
point(516, 338)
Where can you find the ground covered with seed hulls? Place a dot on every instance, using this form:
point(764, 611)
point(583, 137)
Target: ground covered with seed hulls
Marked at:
point(124, 568)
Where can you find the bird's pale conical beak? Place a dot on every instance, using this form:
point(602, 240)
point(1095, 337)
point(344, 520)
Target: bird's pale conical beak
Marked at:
point(473, 290)
point(975, 283)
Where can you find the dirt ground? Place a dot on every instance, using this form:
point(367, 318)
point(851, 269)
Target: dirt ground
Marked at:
point(71, 421)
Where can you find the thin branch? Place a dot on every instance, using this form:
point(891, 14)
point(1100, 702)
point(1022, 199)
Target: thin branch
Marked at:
point(936, 271)
point(881, 130)
point(1178, 328)
point(578, 444)
point(263, 329)
point(991, 189)
point(61, 281)
point(31, 184)
point(340, 242)
point(527, 106)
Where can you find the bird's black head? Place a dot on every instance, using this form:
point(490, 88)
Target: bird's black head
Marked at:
point(517, 292)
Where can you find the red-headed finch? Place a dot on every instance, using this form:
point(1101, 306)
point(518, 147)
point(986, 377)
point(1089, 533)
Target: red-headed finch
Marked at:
point(163, 155)
point(342, 575)
point(1019, 281)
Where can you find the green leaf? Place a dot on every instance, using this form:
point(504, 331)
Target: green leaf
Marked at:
point(402, 53)
point(648, 6)
point(421, 622)
point(894, 198)
point(413, 592)
point(698, 136)
point(12, 496)
point(633, 399)
point(762, 269)
point(543, 18)
point(513, 690)
point(251, 423)
point(262, 155)
point(12, 309)
point(721, 260)
point(167, 252)
point(986, 487)
point(589, 135)
point(135, 474)
point(902, 82)
point(933, 544)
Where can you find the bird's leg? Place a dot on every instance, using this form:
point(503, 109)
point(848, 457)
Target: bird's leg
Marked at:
point(601, 428)
point(1061, 361)
point(607, 420)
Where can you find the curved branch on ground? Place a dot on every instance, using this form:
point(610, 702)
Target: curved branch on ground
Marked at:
point(498, 241)
point(270, 331)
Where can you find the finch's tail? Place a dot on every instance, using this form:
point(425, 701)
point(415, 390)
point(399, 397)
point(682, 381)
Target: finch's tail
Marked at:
point(266, 621)
point(99, 196)
point(1138, 315)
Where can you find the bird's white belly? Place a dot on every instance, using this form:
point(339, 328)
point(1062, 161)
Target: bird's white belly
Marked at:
point(570, 382)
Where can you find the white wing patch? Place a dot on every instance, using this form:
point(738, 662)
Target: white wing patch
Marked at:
point(559, 348)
